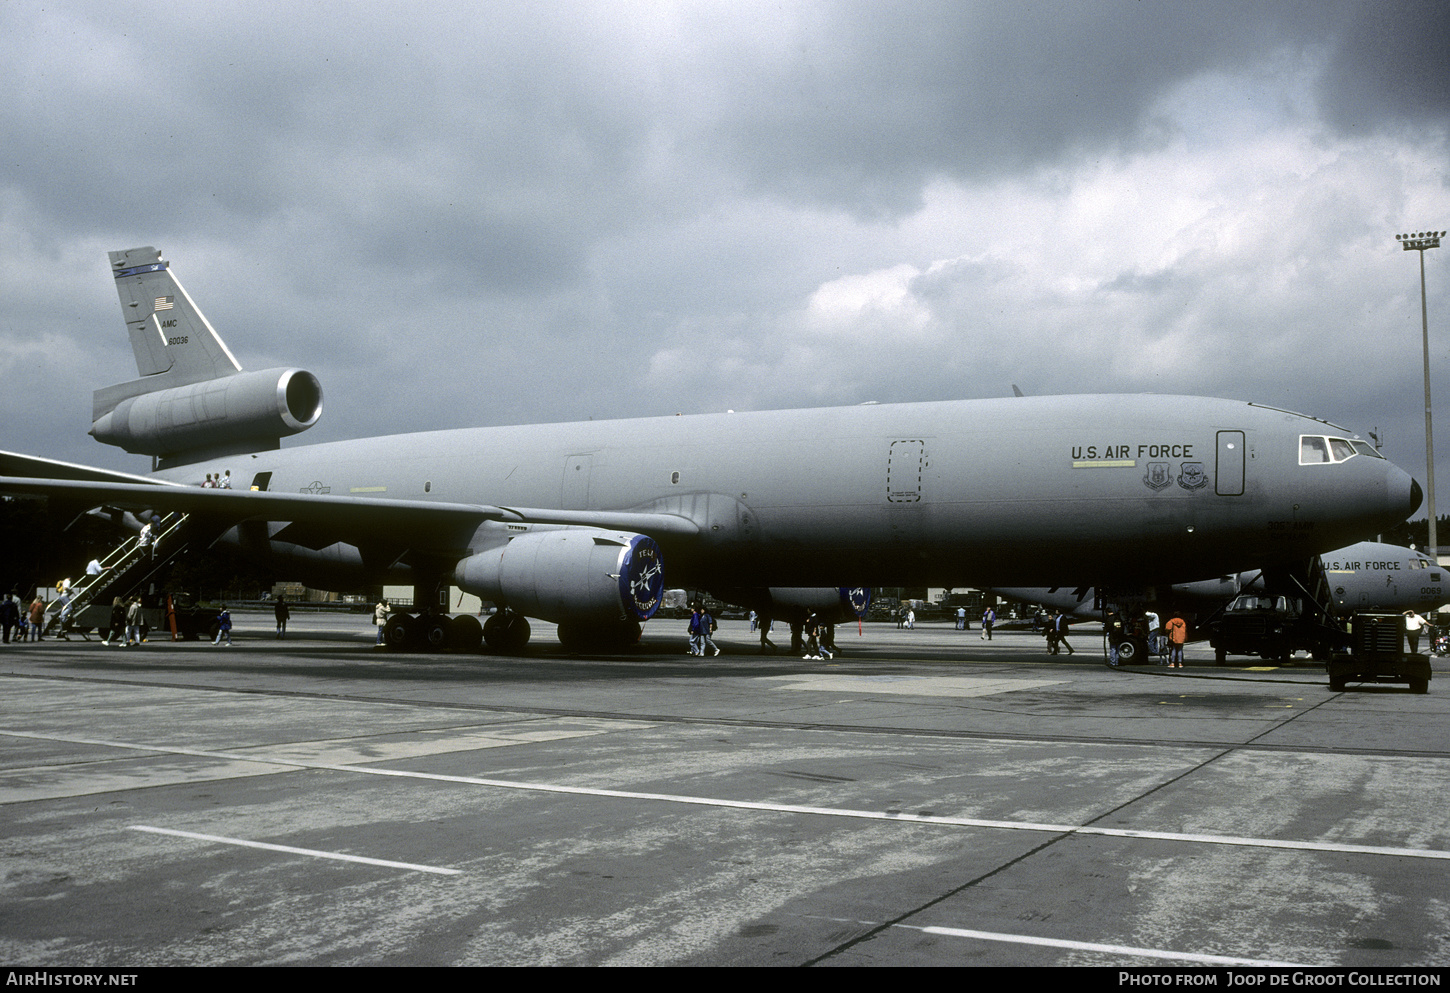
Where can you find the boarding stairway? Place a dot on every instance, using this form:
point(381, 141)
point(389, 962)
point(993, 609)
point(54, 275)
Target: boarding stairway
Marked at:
point(127, 568)
point(1321, 631)
point(1313, 585)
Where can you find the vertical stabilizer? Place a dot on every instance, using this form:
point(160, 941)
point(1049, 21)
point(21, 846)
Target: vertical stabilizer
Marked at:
point(168, 332)
point(193, 401)
point(174, 343)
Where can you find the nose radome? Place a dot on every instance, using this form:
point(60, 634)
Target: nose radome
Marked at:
point(1417, 497)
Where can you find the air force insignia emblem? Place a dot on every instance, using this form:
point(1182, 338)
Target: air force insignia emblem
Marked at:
point(1159, 475)
point(1192, 477)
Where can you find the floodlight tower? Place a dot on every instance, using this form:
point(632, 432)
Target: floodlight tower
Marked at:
point(1418, 243)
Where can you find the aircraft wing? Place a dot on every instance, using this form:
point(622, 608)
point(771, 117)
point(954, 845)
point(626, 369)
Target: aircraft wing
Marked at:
point(32, 466)
point(318, 520)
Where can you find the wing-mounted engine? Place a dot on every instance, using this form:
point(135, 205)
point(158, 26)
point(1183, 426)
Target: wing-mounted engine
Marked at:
point(573, 576)
point(246, 411)
point(793, 603)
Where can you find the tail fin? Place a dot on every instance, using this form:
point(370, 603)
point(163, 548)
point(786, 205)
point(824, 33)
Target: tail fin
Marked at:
point(193, 401)
point(173, 342)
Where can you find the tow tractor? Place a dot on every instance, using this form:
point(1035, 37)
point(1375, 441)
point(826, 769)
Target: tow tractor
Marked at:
point(1377, 655)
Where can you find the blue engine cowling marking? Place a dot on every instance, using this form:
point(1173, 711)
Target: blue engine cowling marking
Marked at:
point(858, 599)
point(641, 578)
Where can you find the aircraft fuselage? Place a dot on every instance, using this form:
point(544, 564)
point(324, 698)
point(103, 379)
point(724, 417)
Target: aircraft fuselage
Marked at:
point(1011, 492)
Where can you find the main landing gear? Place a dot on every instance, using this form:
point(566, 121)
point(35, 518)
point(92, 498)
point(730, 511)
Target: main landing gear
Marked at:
point(505, 633)
point(433, 633)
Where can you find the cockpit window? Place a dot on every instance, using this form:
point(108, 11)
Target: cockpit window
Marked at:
point(1315, 450)
point(1312, 449)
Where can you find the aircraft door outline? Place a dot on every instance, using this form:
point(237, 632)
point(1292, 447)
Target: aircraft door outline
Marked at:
point(1228, 476)
point(574, 493)
point(906, 464)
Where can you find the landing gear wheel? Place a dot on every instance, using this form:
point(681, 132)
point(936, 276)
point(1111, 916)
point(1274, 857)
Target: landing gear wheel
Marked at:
point(1132, 652)
point(507, 633)
point(435, 631)
point(573, 636)
point(465, 634)
point(1336, 685)
point(398, 631)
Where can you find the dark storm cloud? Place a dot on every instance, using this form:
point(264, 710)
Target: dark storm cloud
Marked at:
point(876, 99)
point(1390, 66)
point(515, 212)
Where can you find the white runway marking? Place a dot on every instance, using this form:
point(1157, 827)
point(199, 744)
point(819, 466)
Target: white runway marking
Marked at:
point(784, 808)
point(949, 686)
point(1090, 946)
point(296, 851)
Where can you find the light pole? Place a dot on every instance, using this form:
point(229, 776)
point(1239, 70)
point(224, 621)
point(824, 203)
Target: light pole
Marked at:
point(1418, 243)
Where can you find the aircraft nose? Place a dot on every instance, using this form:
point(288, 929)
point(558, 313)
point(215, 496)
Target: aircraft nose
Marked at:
point(1417, 497)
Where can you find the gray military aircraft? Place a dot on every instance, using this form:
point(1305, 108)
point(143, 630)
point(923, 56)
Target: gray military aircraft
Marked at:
point(574, 523)
point(1366, 577)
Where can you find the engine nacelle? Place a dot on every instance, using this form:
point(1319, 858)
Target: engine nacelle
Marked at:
point(840, 601)
point(570, 574)
point(256, 407)
point(834, 603)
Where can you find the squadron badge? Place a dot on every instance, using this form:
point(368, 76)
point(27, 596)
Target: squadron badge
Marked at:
point(1192, 476)
point(1159, 475)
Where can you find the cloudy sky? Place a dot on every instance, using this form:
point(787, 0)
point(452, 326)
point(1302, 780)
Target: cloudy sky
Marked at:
point(463, 214)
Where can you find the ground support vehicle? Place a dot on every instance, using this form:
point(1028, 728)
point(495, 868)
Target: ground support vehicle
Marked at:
point(192, 622)
point(1271, 627)
point(1377, 655)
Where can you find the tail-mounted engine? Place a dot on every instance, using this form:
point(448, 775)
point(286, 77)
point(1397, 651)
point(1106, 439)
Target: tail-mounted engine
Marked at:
point(570, 574)
point(253, 409)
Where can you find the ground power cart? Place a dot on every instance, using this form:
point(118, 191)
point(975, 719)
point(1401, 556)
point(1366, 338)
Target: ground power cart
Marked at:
point(1378, 654)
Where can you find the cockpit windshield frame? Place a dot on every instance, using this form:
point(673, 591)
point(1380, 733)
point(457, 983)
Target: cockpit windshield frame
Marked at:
point(1316, 449)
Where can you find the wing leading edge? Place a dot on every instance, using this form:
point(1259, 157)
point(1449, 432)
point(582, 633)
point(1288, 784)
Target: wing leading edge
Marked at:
point(317, 520)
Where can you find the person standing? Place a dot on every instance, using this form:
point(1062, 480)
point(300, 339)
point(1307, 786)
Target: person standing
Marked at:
point(708, 628)
point(989, 617)
point(696, 626)
point(812, 648)
point(117, 628)
point(1414, 626)
point(828, 639)
point(9, 616)
point(37, 618)
point(1060, 626)
point(766, 623)
point(1115, 632)
point(1177, 631)
point(223, 627)
point(62, 619)
point(910, 619)
point(380, 621)
point(282, 613)
point(1155, 634)
point(961, 618)
point(133, 623)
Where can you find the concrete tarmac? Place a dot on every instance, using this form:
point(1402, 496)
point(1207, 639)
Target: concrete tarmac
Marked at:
point(926, 798)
